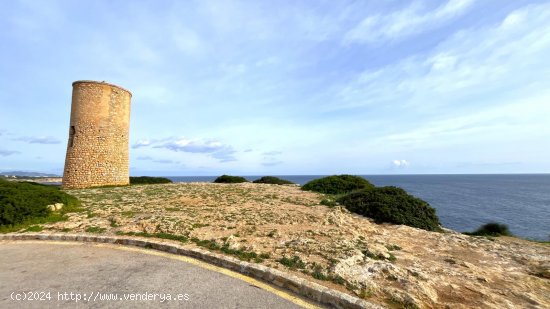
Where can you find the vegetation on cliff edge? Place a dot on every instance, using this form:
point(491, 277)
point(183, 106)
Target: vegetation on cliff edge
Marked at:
point(491, 229)
point(337, 184)
point(392, 205)
point(273, 180)
point(148, 180)
point(230, 179)
point(26, 203)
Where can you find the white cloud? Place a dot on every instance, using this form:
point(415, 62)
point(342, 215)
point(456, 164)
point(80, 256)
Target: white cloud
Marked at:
point(411, 20)
point(473, 63)
point(142, 143)
point(400, 163)
point(193, 145)
point(213, 148)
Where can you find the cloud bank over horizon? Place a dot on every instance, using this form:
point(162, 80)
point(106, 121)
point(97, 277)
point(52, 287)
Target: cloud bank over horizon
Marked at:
point(235, 87)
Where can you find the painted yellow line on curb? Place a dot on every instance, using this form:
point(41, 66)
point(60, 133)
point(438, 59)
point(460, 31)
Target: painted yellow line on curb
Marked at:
point(296, 300)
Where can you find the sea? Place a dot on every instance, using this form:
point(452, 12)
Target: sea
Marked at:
point(465, 202)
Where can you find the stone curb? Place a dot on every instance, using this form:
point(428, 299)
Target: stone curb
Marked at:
point(278, 278)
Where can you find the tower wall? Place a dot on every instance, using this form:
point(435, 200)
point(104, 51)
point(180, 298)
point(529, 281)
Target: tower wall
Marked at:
point(97, 150)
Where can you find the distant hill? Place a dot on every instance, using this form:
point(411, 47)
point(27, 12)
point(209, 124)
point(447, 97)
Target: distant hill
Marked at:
point(27, 174)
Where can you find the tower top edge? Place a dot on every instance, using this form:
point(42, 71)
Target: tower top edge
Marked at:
point(101, 83)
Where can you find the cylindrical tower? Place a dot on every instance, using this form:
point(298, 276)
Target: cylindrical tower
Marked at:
point(97, 151)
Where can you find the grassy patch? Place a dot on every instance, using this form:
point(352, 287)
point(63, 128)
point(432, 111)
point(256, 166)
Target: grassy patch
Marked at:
point(293, 262)
point(112, 222)
point(95, 229)
point(239, 253)
point(365, 293)
point(379, 256)
point(393, 247)
point(34, 228)
point(329, 202)
point(128, 214)
point(180, 238)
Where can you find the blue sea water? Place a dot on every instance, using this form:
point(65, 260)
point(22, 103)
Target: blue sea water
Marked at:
point(464, 202)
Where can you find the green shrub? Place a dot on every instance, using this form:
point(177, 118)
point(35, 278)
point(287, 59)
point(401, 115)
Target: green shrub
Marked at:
point(273, 180)
point(293, 262)
point(142, 180)
point(230, 179)
point(337, 184)
point(491, 229)
point(392, 205)
point(22, 201)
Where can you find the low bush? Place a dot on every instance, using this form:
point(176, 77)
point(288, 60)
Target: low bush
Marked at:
point(142, 180)
point(337, 184)
point(293, 262)
point(230, 179)
point(491, 229)
point(22, 201)
point(273, 180)
point(392, 205)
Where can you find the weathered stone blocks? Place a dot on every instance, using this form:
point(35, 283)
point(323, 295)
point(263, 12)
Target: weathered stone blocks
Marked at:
point(97, 150)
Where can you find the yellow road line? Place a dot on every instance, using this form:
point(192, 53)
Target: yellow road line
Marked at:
point(296, 300)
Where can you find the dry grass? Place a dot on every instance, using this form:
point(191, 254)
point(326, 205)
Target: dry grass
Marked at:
point(286, 228)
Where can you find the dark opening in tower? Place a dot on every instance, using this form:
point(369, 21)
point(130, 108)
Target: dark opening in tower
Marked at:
point(72, 132)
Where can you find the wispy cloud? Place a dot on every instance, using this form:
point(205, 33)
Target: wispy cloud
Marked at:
point(360, 83)
point(213, 148)
point(272, 163)
point(469, 64)
point(5, 153)
point(271, 158)
point(161, 161)
point(38, 139)
point(194, 145)
point(411, 20)
point(141, 143)
point(272, 153)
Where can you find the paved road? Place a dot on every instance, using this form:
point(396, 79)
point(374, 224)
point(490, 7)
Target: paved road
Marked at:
point(99, 271)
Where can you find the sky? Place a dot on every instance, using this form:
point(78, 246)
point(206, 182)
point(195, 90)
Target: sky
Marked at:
point(286, 87)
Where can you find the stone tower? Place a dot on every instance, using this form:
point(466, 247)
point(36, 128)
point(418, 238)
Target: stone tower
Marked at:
point(97, 151)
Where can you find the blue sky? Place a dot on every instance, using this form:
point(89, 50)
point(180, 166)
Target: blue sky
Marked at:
point(286, 87)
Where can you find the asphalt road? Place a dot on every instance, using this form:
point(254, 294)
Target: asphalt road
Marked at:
point(38, 274)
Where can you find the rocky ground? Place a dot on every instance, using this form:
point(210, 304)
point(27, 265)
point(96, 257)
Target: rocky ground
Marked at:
point(286, 228)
